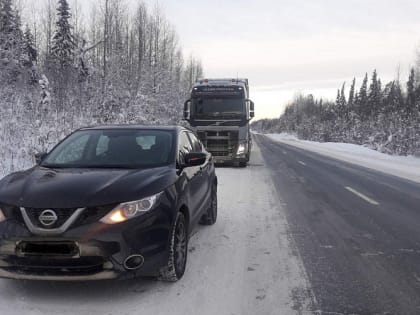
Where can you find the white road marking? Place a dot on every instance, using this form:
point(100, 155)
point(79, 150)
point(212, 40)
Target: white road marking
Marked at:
point(364, 197)
point(303, 163)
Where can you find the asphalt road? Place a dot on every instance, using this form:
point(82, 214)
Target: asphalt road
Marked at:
point(357, 231)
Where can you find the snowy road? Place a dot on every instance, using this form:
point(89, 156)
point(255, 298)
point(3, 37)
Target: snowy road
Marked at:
point(245, 264)
point(357, 230)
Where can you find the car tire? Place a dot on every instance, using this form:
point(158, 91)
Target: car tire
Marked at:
point(243, 164)
point(210, 217)
point(178, 251)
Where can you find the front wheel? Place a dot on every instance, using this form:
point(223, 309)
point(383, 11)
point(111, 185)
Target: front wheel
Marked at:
point(178, 250)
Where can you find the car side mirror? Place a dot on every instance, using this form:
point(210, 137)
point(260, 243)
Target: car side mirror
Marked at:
point(39, 157)
point(195, 159)
point(187, 110)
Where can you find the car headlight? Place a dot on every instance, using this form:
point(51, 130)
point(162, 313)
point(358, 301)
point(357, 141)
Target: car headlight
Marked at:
point(129, 210)
point(241, 149)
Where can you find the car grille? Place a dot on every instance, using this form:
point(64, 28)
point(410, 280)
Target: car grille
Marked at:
point(90, 215)
point(62, 214)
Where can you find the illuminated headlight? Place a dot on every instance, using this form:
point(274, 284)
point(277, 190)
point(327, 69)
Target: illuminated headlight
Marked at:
point(2, 216)
point(129, 210)
point(241, 149)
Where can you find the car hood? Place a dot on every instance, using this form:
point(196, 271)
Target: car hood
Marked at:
point(41, 187)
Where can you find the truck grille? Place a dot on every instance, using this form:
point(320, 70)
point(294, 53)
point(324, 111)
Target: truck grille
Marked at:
point(220, 143)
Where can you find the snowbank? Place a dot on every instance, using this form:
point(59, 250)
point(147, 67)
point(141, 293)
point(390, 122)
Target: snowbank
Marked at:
point(402, 166)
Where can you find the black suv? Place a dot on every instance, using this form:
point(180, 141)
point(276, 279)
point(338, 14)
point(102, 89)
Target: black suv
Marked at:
point(107, 202)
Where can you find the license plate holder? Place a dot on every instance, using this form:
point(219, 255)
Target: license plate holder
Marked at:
point(50, 249)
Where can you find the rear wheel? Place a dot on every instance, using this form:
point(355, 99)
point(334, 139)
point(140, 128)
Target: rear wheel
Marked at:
point(210, 217)
point(178, 250)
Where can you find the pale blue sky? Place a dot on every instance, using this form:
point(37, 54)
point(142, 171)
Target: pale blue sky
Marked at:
point(290, 46)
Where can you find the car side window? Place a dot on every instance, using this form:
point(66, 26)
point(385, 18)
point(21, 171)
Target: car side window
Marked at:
point(196, 144)
point(184, 147)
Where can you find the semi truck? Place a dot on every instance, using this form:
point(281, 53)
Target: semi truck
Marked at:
point(220, 111)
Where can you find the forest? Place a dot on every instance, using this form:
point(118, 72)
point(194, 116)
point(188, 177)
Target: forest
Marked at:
point(383, 117)
point(60, 70)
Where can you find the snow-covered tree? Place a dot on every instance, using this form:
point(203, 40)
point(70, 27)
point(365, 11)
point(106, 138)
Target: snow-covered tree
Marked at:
point(7, 18)
point(352, 94)
point(31, 52)
point(63, 47)
point(362, 100)
point(411, 93)
point(374, 96)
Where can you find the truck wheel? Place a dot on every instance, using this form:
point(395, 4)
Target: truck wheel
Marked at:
point(243, 164)
point(210, 217)
point(178, 250)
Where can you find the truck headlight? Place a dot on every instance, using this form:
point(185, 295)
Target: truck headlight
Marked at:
point(241, 149)
point(129, 210)
point(2, 216)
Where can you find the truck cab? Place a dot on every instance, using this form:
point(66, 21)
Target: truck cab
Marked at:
point(220, 110)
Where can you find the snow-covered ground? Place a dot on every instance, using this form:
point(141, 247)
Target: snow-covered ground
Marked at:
point(401, 166)
point(244, 264)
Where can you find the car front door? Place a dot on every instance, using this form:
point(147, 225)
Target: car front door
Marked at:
point(194, 178)
point(205, 174)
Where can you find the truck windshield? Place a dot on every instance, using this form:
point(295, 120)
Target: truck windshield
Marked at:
point(219, 106)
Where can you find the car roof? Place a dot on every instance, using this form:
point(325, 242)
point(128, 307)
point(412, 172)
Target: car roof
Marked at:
point(132, 127)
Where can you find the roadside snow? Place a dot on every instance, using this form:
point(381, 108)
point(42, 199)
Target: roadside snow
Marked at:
point(401, 166)
point(244, 264)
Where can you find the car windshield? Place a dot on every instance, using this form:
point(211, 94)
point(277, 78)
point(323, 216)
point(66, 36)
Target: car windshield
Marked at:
point(113, 149)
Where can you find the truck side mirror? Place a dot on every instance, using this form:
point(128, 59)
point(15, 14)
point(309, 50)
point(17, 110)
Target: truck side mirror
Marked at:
point(251, 109)
point(187, 110)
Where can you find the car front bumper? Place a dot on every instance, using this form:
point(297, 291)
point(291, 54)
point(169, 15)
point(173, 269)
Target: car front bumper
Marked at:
point(98, 251)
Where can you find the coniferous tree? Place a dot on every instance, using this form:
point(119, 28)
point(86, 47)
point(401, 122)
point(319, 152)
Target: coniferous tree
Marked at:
point(62, 53)
point(362, 99)
point(11, 42)
point(351, 94)
point(411, 93)
point(63, 46)
point(30, 49)
point(341, 102)
point(30, 56)
point(375, 95)
point(7, 26)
